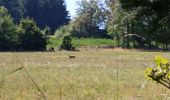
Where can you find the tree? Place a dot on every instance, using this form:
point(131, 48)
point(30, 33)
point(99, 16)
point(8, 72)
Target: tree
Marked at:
point(120, 23)
point(30, 36)
point(146, 18)
point(155, 15)
point(8, 35)
point(50, 13)
point(47, 31)
point(67, 43)
point(90, 18)
point(15, 8)
point(84, 28)
point(65, 30)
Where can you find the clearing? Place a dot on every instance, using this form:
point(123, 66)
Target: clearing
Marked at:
point(92, 75)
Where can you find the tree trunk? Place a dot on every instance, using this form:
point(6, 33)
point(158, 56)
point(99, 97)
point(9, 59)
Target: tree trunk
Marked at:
point(166, 46)
point(123, 42)
point(134, 43)
point(128, 45)
point(157, 45)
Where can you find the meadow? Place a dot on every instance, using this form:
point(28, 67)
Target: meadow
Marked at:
point(92, 75)
point(53, 42)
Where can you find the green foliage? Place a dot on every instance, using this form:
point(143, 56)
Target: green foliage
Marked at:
point(64, 30)
point(47, 31)
point(90, 17)
point(161, 73)
point(30, 36)
point(15, 8)
point(146, 18)
point(83, 27)
point(25, 36)
point(117, 24)
point(67, 43)
point(8, 35)
point(153, 17)
point(120, 23)
point(52, 13)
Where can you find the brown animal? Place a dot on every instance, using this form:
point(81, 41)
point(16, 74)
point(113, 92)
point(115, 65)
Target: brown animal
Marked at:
point(72, 57)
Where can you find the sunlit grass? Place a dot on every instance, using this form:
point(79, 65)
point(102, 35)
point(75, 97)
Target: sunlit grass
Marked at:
point(90, 76)
point(54, 42)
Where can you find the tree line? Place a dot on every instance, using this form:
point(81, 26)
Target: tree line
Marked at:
point(23, 36)
point(51, 13)
point(25, 24)
point(148, 19)
point(131, 23)
point(89, 22)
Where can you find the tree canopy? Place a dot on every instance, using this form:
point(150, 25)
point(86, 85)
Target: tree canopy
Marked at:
point(147, 18)
point(25, 36)
point(8, 35)
point(90, 18)
point(31, 37)
point(50, 13)
point(131, 23)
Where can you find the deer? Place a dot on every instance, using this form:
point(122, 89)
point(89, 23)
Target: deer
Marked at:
point(72, 57)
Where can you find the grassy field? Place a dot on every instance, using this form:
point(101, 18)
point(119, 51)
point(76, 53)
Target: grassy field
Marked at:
point(92, 75)
point(53, 42)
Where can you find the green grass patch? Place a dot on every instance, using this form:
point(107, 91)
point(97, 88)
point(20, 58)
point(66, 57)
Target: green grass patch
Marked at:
point(54, 42)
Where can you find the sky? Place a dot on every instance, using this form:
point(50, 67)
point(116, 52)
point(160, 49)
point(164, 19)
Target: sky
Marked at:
point(71, 6)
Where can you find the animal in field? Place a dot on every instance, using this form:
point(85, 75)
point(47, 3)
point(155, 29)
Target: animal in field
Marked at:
point(72, 57)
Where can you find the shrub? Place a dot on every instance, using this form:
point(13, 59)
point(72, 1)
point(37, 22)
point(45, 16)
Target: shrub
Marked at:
point(63, 31)
point(30, 36)
point(8, 35)
point(161, 73)
point(67, 43)
point(47, 31)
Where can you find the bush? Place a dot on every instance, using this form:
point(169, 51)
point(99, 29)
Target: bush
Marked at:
point(8, 35)
point(63, 31)
point(161, 73)
point(30, 36)
point(47, 31)
point(67, 43)
point(25, 36)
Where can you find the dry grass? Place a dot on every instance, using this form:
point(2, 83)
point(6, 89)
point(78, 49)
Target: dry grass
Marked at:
point(90, 76)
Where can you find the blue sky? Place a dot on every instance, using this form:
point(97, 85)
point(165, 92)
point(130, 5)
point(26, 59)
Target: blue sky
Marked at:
point(71, 6)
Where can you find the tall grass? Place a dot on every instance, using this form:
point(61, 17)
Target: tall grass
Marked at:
point(92, 75)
